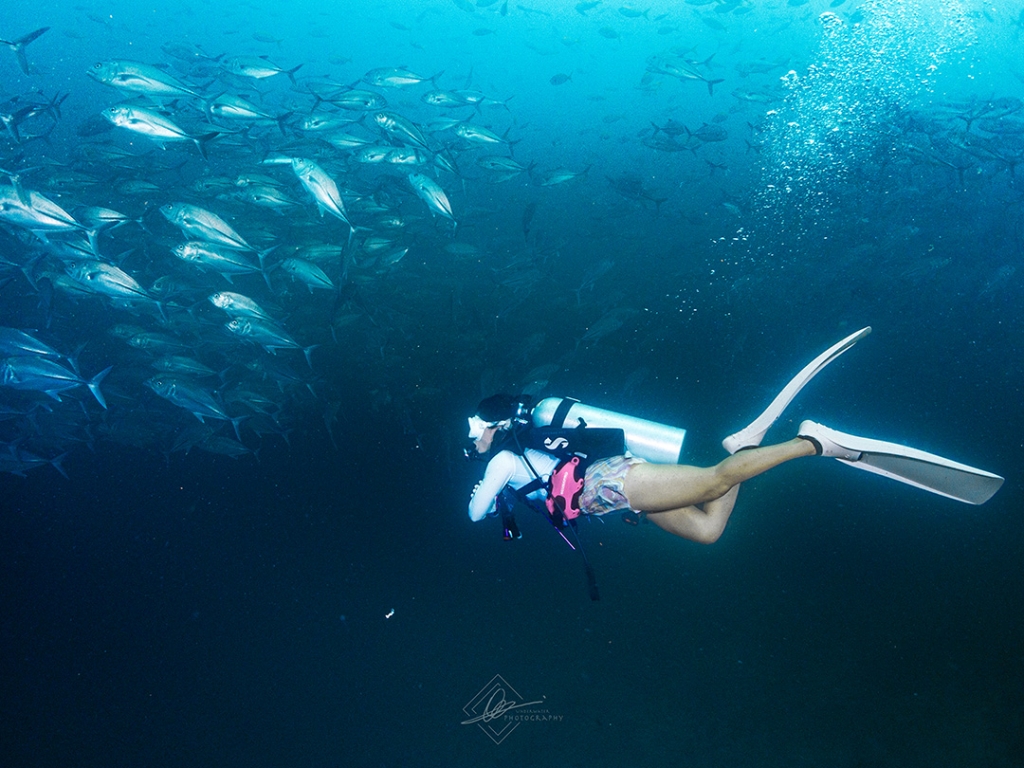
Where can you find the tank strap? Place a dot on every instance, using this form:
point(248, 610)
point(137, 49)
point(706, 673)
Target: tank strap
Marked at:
point(562, 411)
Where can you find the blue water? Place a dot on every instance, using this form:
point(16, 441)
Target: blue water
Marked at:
point(322, 599)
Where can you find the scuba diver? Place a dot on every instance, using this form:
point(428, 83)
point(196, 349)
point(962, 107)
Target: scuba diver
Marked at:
point(566, 459)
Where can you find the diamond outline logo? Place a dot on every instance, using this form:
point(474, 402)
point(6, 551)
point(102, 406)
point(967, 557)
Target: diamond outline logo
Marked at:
point(489, 706)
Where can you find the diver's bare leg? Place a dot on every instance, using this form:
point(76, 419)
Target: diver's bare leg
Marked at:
point(661, 487)
point(702, 524)
point(669, 493)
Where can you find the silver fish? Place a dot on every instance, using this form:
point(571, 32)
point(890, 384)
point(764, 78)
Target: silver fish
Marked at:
point(195, 399)
point(400, 129)
point(430, 192)
point(158, 343)
point(308, 273)
point(343, 140)
point(34, 212)
point(106, 279)
point(187, 366)
point(257, 68)
point(395, 77)
point(268, 335)
point(155, 126)
point(39, 374)
point(16, 342)
point(499, 163)
point(372, 154)
point(407, 156)
point(265, 197)
point(438, 98)
point(358, 101)
point(137, 77)
point(228, 107)
point(321, 187)
point(206, 225)
point(558, 176)
point(478, 135)
point(237, 305)
point(227, 261)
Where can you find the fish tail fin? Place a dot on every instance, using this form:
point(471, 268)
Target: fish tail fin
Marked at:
point(12, 130)
point(236, 422)
point(291, 73)
point(308, 352)
point(55, 462)
point(262, 256)
point(712, 84)
point(73, 358)
point(28, 269)
point(53, 107)
point(18, 46)
point(94, 240)
point(208, 106)
point(23, 41)
point(282, 121)
point(201, 142)
point(94, 385)
point(433, 79)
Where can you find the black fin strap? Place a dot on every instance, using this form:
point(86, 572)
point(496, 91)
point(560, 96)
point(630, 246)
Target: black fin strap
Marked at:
point(818, 450)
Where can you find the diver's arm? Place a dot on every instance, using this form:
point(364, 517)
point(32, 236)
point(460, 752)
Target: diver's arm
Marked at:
point(499, 472)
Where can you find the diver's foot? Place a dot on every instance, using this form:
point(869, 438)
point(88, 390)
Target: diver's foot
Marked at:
point(752, 435)
point(826, 442)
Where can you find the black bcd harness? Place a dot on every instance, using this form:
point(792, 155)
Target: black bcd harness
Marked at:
point(576, 450)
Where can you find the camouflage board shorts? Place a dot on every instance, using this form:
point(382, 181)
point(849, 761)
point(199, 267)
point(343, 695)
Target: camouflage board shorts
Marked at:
point(603, 484)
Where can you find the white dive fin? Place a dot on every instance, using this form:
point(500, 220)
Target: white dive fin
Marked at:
point(751, 435)
point(922, 470)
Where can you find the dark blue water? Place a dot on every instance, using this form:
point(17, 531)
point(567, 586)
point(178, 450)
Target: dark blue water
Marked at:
point(322, 599)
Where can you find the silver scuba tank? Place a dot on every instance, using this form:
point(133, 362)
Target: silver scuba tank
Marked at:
point(658, 443)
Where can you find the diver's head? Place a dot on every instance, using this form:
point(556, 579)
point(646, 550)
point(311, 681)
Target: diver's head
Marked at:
point(495, 417)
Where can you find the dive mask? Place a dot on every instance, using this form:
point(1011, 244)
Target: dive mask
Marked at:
point(478, 426)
